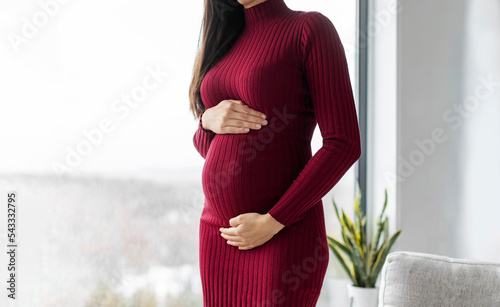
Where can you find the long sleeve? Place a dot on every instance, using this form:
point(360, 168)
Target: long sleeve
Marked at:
point(202, 138)
point(326, 71)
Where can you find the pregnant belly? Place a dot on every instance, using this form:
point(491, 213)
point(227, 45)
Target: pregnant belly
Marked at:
point(244, 174)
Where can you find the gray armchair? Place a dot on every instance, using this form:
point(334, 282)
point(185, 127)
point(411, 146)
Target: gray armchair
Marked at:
point(410, 279)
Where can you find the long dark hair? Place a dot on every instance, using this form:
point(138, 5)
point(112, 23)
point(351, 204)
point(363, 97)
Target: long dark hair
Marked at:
point(222, 23)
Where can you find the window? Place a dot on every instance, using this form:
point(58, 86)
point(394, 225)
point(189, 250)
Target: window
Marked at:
point(100, 150)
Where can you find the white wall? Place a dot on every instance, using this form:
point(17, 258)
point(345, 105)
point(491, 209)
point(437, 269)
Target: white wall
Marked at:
point(447, 173)
point(481, 131)
point(430, 78)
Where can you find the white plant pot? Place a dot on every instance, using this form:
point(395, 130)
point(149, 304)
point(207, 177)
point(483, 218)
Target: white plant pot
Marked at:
point(362, 297)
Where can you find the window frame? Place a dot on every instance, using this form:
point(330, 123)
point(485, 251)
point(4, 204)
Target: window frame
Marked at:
point(362, 93)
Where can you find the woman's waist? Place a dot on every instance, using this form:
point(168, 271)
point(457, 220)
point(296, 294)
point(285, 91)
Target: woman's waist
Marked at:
point(257, 148)
point(254, 172)
point(259, 180)
point(234, 179)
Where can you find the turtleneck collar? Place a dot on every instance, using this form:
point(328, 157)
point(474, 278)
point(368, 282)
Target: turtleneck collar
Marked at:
point(262, 13)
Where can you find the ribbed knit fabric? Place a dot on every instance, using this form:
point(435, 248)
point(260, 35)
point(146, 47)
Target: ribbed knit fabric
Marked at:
point(291, 66)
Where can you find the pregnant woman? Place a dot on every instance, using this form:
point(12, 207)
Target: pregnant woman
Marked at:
point(264, 77)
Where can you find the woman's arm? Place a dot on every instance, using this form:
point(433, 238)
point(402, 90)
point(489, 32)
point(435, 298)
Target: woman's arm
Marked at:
point(326, 71)
point(202, 138)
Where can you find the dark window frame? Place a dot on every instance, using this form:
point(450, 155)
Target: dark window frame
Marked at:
point(362, 88)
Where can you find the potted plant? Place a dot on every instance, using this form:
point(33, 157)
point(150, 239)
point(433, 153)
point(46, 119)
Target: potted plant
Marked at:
point(362, 259)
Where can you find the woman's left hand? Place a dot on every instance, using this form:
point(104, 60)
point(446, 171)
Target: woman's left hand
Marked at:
point(249, 230)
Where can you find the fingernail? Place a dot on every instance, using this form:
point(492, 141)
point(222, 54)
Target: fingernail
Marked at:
point(263, 115)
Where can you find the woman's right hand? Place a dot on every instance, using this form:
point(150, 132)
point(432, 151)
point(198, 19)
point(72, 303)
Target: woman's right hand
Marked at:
point(232, 116)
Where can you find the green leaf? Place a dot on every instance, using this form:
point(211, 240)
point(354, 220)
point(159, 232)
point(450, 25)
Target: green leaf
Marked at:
point(372, 254)
point(342, 247)
point(357, 260)
point(357, 201)
point(384, 251)
point(343, 262)
point(347, 222)
point(385, 205)
point(386, 229)
point(380, 227)
point(345, 231)
point(335, 209)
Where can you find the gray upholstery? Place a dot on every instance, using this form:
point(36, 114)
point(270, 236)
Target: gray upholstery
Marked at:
point(416, 279)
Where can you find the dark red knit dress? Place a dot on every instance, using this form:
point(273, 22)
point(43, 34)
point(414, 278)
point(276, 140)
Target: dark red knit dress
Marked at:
point(291, 66)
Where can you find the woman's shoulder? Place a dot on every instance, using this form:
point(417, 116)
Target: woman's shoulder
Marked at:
point(311, 22)
point(310, 16)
